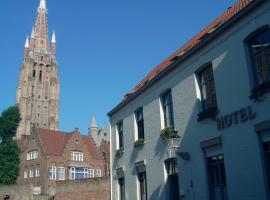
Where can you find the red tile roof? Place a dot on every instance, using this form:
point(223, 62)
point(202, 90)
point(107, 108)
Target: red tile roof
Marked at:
point(225, 17)
point(91, 147)
point(54, 142)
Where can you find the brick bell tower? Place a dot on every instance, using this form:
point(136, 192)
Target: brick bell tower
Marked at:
point(38, 90)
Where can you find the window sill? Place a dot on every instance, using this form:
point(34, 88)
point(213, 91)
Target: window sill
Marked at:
point(209, 113)
point(119, 152)
point(139, 143)
point(260, 90)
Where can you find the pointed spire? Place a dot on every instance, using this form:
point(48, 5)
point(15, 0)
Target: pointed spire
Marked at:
point(33, 33)
point(94, 122)
point(26, 42)
point(53, 37)
point(42, 4)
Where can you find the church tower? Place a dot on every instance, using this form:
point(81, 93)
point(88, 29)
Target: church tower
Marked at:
point(39, 87)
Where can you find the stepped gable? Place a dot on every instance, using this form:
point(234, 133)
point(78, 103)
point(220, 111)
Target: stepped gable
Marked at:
point(54, 142)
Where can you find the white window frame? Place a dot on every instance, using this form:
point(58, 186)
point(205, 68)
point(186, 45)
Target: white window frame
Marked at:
point(77, 156)
point(37, 172)
point(91, 173)
point(98, 173)
point(25, 174)
point(52, 173)
point(31, 173)
point(72, 173)
point(32, 155)
point(61, 173)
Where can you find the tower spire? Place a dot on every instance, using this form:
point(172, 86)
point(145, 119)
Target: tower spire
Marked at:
point(41, 29)
point(42, 4)
point(26, 43)
point(53, 38)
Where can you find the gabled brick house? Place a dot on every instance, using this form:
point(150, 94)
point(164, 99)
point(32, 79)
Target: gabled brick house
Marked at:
point(48, 156)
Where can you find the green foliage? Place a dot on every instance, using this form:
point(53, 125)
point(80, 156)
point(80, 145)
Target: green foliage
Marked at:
point(9, 122)
point(139, 143)
point(167, 133)
point(119, 152)
point(9, 162)
point(9, 152)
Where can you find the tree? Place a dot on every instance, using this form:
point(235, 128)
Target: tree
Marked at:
point(9, 151)
point(9, 122)
point(9, 162)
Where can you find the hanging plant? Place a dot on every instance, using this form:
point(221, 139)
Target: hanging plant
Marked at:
point(168, 133)
point(119, 152)
point(139, 143)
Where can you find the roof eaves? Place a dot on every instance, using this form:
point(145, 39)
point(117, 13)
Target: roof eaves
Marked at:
point(181, 57)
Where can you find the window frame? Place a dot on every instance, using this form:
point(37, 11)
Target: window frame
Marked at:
point(120, 135)
point(121, 188)
point(37, 172)
point(142, 183)
point(208, 92)
point(32, 155)
point(98, 173)
point(167, 121)
point(61, 173)
point(52, 173)
point(139, 119)
point(257, 88)
point(77, 156)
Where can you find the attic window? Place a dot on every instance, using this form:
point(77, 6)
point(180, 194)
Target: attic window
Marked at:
point(32, 155)
point(77, 156)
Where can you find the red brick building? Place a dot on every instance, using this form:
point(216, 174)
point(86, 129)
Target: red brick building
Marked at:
point(48, 156)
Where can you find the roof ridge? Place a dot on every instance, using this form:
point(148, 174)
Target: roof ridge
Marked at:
point(194, 41)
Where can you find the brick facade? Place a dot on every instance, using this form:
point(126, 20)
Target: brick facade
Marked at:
point(54, 150)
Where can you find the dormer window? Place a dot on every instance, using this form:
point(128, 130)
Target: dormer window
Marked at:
point(77, 156)
point(32, 155)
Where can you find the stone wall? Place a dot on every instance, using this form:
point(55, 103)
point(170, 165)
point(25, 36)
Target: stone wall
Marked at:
point(91, 189)
point(17, 192)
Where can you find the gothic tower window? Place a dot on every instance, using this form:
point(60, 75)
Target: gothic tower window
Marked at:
point(40, 75)
point(34, 73)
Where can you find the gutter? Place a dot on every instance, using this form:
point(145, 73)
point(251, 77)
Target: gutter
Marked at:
point(192, 51)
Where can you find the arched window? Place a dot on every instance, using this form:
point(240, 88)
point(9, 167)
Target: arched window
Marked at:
point(259, 52)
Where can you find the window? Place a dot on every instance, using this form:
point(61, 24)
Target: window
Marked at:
point(31, 173)
point(167, 109)
point(40, 75)
point(120, 134)
point(34, 73)
point(52, 173)
point(98, 173)
point(25, 174)
point(37, 172)
point(266, 147)
point(61, 173)
point(91, 173)
point(139, 123)
point(259, 50)
point(172, 180)
point(207, 92)
point(217, 177)
point(121, 186)
point(77, 173)
point(77, 156)
point(142, 185)
point(32, 155)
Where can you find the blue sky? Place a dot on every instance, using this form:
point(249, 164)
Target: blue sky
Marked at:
point(104, 47)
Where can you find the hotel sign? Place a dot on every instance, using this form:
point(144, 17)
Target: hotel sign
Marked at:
point(237, 117)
